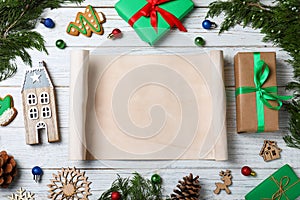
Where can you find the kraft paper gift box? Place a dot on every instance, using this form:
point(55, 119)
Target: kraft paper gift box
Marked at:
point(284, 184)
point(141, 107)
point(246, 103)
point(151, 27)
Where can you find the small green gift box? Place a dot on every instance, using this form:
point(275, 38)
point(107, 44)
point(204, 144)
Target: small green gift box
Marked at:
point(284, 184)
point(151, 19)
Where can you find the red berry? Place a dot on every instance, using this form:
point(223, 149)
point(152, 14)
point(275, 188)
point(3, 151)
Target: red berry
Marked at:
point(115, 196)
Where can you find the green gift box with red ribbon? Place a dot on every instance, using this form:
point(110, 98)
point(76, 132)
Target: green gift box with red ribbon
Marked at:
point(151, 19)
point(257, 102)
point(283, 184)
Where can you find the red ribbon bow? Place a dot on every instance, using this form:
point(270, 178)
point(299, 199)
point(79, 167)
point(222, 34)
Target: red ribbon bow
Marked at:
point(151, 9)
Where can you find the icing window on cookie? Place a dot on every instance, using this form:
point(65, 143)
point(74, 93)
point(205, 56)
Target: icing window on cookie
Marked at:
point(44, 98)
point(33, 113)
point(31, 99)
point(46, 112)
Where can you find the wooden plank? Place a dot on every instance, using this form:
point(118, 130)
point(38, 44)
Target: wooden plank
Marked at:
point(243, 149)
point(239, 145)
point(111, 3)
point(58, 62)
point(63, 107)
point(102, 179)
point(62, 17)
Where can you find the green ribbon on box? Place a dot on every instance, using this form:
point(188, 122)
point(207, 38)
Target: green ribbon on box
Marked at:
point(263, 95)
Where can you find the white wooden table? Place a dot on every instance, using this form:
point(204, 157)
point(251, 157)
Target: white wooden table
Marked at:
point(243, 149)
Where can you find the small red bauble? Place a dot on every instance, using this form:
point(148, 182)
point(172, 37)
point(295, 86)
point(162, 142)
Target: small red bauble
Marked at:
point(115, 196)
point(247, 171)
point(116, 33)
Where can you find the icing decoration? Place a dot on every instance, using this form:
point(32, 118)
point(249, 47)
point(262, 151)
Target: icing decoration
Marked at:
point(35, 77)
point(87, 23)
point(5, 104)
point(7, 111)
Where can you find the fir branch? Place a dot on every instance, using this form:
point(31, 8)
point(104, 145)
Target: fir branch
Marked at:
point(135, 188)
point(17, 19)
point(280, 23)
point(259, 5)
point(293, 140)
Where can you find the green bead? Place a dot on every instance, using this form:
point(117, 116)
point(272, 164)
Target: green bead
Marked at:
point(199, 41)
point(156, 179)
point(60, 44)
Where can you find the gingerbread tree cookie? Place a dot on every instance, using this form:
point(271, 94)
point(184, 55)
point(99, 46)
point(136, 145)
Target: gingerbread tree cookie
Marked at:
point(87, 23)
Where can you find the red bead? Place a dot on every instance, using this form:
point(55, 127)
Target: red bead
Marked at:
point(247, 171)
point(116, 33)
point(115, 196)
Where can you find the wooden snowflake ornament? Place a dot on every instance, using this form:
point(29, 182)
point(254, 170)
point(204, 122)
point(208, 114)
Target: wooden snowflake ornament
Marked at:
point(68, 184)
point(22, 195)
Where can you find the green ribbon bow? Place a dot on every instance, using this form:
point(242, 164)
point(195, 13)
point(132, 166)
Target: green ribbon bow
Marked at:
point(263, 95)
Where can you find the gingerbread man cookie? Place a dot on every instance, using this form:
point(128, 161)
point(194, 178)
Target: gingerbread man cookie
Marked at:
point(87, 23)
point(7, 110)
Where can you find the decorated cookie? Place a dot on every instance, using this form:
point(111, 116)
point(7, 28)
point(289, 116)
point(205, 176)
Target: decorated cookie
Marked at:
point(7, 110)
point(87, 23)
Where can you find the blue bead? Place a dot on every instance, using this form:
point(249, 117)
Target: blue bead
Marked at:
point(206, 24)
point(48, 22)
point(37, 170)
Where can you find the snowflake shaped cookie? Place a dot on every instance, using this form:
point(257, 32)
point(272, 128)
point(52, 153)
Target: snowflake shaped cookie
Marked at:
point(22, 195)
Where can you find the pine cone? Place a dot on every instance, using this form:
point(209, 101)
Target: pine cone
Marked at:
point(189, 189)
point(8, 169)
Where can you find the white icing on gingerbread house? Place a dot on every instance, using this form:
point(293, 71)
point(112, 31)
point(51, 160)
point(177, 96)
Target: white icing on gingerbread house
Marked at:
point(39, 105)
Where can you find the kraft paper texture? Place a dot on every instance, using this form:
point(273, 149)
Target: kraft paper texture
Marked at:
point(147, 107)
point(246, 115)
